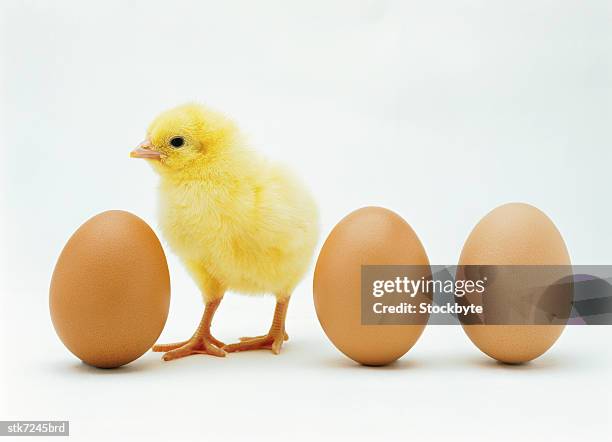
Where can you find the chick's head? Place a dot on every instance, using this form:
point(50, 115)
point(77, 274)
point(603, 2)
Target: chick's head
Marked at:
point(186, 139)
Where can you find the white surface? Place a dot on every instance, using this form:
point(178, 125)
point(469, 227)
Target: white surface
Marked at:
point(444, 388)
point(438, 110)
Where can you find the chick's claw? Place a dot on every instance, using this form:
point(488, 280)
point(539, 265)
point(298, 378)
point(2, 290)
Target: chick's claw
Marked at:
point(168, 347)
point(248, 338)
point(272, 342)
point(195, 346)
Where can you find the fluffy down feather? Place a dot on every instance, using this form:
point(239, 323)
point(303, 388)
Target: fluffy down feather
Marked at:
point(238, 221)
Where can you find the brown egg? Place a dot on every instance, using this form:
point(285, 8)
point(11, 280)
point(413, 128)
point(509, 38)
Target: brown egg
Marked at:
point(371, 235)
point(110, 290)
point(515, 235)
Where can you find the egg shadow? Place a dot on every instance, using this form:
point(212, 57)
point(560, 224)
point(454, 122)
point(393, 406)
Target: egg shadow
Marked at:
point(143, 364)
point(344, 363)
point(548, 363)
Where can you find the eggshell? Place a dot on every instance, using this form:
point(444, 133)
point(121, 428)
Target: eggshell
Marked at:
point(110, 290)
point(368, 236)
point(514, 234)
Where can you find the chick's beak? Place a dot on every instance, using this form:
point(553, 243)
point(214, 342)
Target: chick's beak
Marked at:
point(145, 150)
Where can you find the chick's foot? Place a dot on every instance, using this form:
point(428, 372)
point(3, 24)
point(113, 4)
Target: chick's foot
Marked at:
point(175, 345)
point(198, 345)
point(202, 342)
point(168, 347)
point(271, 341)
point(249, 338)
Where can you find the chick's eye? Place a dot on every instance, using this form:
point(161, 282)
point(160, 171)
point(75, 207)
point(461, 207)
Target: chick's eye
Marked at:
point(177, 142)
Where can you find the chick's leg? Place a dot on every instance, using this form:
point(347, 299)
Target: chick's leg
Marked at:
point(202, 342)
point(275, 337)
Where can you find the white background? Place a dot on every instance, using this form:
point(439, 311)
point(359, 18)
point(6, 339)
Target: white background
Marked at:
point(439, 110)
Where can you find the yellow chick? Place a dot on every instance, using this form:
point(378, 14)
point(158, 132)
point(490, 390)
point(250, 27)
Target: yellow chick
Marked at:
point(237, 221)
